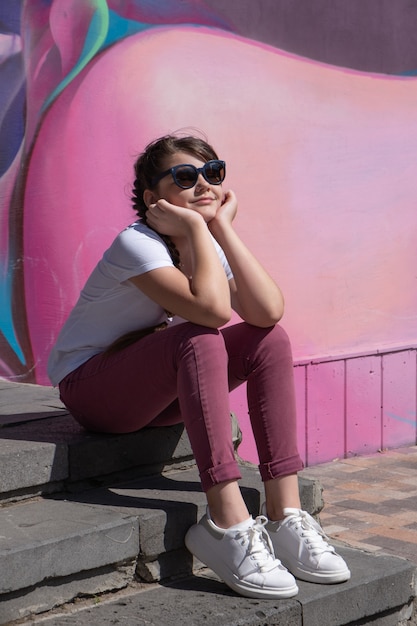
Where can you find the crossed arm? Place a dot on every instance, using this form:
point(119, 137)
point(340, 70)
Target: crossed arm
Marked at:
point(207, 298)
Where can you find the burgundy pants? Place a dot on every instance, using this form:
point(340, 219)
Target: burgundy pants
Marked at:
point(184, 374)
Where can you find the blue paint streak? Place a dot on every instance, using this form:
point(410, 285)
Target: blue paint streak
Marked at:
point(106, 28)
point(6, 317)
point(409, 73)
point(96, 35)
point(404, 420)
point(120, 27)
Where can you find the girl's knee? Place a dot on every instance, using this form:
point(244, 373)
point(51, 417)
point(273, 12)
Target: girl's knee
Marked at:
point(279, 335)
point(203, 334)
point(277, 342)
point(257, 345)
point(274, 336)
point(204, 340)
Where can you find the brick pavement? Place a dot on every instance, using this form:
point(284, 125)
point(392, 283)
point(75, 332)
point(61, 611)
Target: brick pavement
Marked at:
point(371, 501)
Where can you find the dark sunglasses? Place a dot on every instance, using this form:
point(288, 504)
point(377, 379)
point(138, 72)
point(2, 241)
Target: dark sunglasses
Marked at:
point(186, 175)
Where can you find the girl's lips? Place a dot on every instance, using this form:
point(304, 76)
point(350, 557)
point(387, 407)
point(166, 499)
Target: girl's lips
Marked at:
point(205, 200)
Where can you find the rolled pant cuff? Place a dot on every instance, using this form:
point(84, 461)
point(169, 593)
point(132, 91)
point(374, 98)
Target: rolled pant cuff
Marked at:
point(220, 474)
point(281, 467)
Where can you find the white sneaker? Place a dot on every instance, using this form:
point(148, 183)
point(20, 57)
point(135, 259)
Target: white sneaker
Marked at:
point(242, 556)
point(301, 544)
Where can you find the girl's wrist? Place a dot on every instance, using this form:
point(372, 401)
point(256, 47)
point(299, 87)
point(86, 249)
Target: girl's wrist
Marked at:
point(219, 227)
point(194, 222)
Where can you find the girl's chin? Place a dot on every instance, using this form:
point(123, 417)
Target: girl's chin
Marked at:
point(207, 211)
point(208, 216)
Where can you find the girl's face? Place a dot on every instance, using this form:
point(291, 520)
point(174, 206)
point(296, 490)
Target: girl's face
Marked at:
point(203, 197)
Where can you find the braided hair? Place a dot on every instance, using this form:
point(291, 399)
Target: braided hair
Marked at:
point(148, 165)
point(151, 163)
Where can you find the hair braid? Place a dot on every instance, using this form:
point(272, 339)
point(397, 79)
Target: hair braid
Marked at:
point(148, 165)
point(141, 210)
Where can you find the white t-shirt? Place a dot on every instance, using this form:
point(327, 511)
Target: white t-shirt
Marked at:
point(110, 305)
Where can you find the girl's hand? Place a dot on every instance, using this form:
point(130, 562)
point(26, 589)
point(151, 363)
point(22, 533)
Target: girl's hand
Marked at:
point(226, 213)
point(169, 219)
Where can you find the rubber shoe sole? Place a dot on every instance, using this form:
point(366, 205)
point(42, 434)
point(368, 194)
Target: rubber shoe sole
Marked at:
point(302, 546)
point(211, 551)
point(322, 577)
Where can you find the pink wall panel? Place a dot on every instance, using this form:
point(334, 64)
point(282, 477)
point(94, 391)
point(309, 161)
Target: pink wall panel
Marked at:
point(300, 382)
point(347, 407)
point(399, 399)
point(247, 449)
point(325, 411)
point(363, 405)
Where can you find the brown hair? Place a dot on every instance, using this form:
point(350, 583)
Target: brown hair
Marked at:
point(152, 162)
point(148, 165)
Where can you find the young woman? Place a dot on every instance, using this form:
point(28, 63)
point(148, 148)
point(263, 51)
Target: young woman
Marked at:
point(146, 345)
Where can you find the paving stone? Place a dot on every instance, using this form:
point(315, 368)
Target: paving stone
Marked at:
point(387, 501)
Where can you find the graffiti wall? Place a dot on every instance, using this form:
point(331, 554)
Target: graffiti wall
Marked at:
point(312, 105)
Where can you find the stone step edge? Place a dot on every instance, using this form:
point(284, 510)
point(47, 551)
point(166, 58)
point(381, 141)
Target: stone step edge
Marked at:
point(381, 591)
point(63, 549)
point(55, 454)
point(175, 496)
point(41, 538)
point(56, 451)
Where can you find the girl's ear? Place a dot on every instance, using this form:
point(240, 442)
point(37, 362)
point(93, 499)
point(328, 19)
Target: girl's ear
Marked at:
point(149, 197)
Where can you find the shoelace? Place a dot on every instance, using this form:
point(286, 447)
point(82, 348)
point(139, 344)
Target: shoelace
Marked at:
point(259, 545)
point(316, 539)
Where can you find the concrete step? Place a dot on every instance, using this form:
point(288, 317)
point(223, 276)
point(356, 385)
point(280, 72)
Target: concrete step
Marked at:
point(61, 539)
point(55, 454)
point(379, 593)
point(55, 549)
point(43, 450)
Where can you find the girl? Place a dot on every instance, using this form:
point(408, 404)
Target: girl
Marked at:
point(146, 345)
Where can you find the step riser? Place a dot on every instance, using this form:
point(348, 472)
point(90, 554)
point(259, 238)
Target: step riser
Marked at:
point(379, 594)
point(46, 540)
point(99, 540)
point(91, 546)
point(49, 595)
point(44, 450)
point(32, 465)
point(47, 543)
point(55, 454)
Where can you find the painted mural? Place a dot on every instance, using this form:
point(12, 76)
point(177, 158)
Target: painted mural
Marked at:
point(319, 134)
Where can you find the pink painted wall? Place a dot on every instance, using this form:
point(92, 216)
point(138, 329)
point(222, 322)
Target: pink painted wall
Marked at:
point(350, 406)
point(321, 158)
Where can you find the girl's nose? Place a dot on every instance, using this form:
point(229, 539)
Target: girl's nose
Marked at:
point(201, 182)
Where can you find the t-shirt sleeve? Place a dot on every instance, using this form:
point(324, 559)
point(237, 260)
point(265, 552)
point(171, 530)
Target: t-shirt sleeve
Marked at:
point(135, 252)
